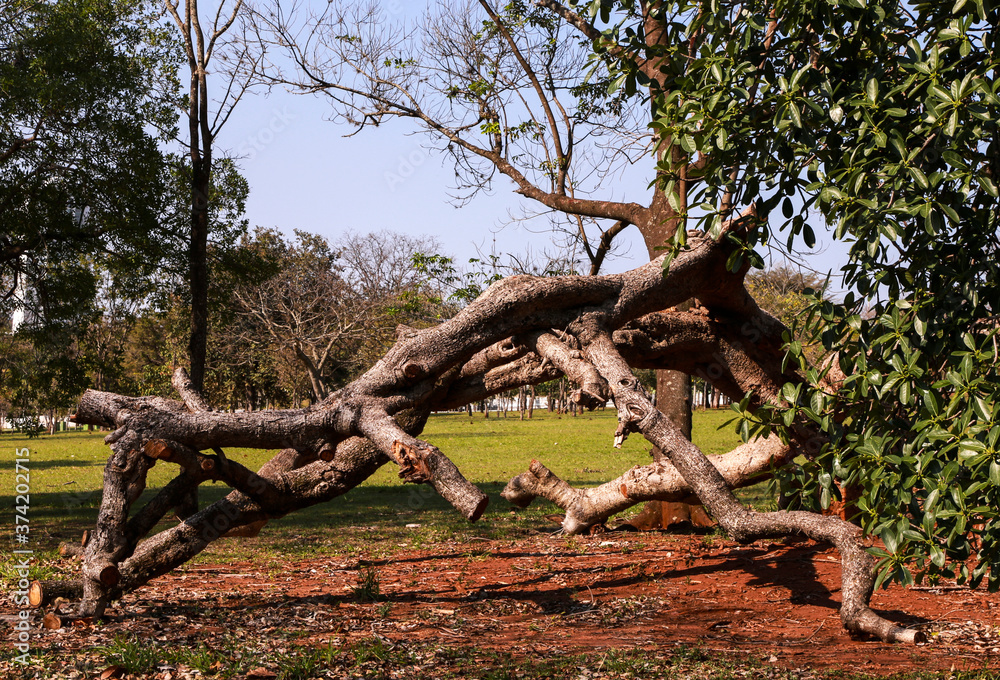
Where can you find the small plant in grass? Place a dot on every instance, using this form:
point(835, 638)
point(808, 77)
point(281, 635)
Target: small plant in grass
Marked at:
point(371, 649)
point(200, 658)
point(28, 425)
point(43, 569)
point(369, 587)
point(304, 662)
point(132, 654)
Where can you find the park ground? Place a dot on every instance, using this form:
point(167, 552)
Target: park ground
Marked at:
point(387, 583)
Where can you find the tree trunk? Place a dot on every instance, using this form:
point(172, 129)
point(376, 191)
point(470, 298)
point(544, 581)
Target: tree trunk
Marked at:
point(201, 178)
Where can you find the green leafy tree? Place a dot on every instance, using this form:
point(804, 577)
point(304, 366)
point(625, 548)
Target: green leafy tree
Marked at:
point(146, 320)
point(82, 86)
point(883, 119)
point(80, 173)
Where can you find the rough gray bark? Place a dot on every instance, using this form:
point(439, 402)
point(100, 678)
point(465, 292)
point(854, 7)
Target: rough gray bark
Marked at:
point(659, 481)
point(524, 330)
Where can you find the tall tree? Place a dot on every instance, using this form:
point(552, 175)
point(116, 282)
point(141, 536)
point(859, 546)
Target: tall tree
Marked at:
point(82, 84)
point(219, 47)
point(513, 90)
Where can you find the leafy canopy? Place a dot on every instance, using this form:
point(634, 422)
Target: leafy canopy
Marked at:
point(882, 118)
point(81, 85)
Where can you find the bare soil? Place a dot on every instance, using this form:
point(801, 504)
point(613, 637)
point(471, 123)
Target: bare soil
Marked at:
point(556, 595)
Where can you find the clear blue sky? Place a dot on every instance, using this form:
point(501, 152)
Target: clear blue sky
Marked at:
point(305, 174)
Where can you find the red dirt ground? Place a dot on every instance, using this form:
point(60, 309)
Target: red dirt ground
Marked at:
point(778, 601)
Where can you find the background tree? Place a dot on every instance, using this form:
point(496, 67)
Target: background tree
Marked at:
point(514, 90)
point(335, 307)
point(218, 47)
point(81, 179)
point(80, 82)
point(785, 291)
point(501, 91)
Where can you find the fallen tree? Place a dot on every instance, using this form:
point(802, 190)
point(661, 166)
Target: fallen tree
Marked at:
point(523, 330)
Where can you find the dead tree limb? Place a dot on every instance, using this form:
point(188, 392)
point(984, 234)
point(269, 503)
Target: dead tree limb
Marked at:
point(658, 481)
point(522, 331)
point(636, 412)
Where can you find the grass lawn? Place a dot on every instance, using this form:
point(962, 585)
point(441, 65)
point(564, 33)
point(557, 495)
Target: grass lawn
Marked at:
point(66, 468)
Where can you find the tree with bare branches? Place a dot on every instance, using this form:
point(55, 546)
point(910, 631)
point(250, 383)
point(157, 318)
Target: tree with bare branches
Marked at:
point(512, 90)
point(216, 46)
point(335, 307)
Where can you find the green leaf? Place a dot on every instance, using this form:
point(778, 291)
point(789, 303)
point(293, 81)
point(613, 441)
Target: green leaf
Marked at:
point(918, 174)
point(837, 114)
point(988, 186)
point(940, 93)
point(808, 236)
point(995, 473)
point(871, 89)
point(890, 539)
point(952, 125)
point(796, 114)
point(673, 200)
point(790, 392)
point(667, 259)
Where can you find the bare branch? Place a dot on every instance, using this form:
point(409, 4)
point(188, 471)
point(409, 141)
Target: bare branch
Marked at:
point(193, 398)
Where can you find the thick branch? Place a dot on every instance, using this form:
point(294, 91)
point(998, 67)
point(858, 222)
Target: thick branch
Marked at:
point(747, 464)
point(191, 395)
point(159, 418)
point(420, 462)
point(636, 411)
point(593, 389)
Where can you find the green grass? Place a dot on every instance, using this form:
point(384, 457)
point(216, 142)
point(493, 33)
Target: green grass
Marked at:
point(66, 476)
